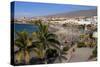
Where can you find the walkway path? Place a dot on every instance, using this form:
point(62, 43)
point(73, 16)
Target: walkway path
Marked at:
point(81, 55)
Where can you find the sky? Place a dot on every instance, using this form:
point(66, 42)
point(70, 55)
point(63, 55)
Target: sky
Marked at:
point(33, 9)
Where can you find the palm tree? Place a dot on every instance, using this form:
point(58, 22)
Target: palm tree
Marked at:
point(61, 54)
point(23, 41)
point(47, 39)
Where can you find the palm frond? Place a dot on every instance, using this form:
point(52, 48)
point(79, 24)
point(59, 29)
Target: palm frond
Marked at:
point(34, 44)
point(19, 44)
point(64, 53)
point(22, 35)
point(52, 40)
point(63, 57)
point(55, 46)
point(50, 35)
point(39, 53)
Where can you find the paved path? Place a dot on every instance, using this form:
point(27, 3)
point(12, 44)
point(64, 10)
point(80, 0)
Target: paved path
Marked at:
point(81, 55)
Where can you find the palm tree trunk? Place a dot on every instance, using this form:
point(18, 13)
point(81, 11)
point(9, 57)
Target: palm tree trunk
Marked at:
point(24, 57)
point(45, 59)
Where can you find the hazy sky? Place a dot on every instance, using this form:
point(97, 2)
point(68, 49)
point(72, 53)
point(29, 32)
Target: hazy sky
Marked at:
point(31, 9)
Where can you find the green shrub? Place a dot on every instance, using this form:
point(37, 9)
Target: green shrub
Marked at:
point(82, 36)
point(81, 44)
point(95, 52)
point(92, 44)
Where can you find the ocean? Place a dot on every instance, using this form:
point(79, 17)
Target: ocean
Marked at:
point(25, 27)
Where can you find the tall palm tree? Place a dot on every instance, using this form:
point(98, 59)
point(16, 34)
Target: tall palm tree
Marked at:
point(23, 41)
point(47, 39)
